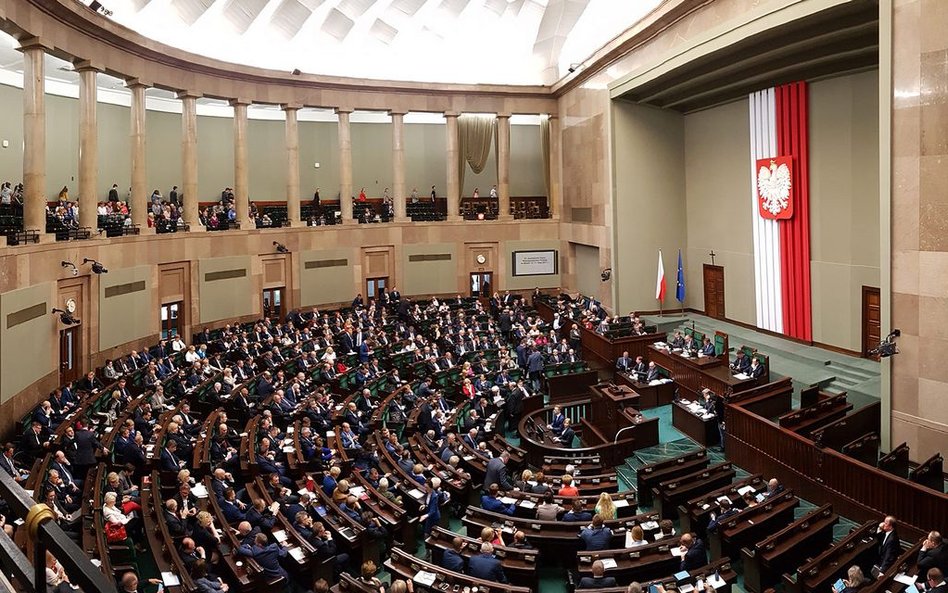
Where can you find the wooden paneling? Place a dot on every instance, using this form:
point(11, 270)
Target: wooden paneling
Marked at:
point(173, 282)
point(871, 319)
point(714, 291)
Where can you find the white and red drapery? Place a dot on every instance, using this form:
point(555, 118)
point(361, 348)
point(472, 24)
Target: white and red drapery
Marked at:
point(778, 143)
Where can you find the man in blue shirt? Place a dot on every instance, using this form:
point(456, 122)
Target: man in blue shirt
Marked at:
point(267, 556)
point(596, 537)
point(491, 502)
point(452, 558)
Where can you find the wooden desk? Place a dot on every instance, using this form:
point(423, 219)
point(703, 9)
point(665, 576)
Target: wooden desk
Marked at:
point(695, 374)
point(787, 549)
point(570, 385)
point(649, 476)
point(704, 431)
point(752, 524)
point(819, 574)
point(668, 495)
point(403, 565)
point(650, 396)
point(696, 513)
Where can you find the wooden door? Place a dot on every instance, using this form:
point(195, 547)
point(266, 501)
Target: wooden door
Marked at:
point(375, 287)
point(69, 355)
point(871, 320)
point(714, 291)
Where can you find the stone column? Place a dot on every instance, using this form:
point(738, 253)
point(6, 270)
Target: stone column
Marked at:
point(454, 172)
point(139, 203)
point(503, 167)
point(555, 198)
point(88, 146)
point(241, 174)
point(292, 165)
point(189, 168)
point(398, 166)
point(34, 136)
point(345, 165)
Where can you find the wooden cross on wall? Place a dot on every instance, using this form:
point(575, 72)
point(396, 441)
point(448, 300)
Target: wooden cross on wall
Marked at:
point(712, 254)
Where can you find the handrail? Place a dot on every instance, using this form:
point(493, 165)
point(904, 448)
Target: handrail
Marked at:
point(48, 535)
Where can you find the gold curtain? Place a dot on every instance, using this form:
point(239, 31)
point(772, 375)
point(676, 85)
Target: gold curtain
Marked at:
point(475, 133)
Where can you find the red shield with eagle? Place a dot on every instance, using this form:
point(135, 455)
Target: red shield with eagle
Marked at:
point(774, 187)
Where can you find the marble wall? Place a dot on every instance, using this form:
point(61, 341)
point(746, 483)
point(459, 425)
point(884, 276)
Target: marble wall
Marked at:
point(920, 224)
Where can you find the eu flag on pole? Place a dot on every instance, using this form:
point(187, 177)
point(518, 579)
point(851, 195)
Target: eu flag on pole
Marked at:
point(680, 289)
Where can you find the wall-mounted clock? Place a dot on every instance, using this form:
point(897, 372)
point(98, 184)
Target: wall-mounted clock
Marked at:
point(481, 259)
point(71, 305)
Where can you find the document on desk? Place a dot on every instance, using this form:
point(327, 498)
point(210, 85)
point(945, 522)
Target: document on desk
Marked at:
point(508, 500)
point(686, 588)
point(416, 493)
point(905, 579)
point(741, 376)
point(425, 578)
point(170, 579)
point(356, 490)
point(608, 563)
point(676, 552)
point(279, 535)
point(744, 490)
point(199, 490)
point(620, 503)
point(716, 581)
point(298, 554)
point(529, 504)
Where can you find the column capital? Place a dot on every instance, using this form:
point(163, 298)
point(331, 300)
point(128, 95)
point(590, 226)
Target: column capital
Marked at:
point(188, 95)
point(394, 112)
point(87, 66)
point(132, 83)
point(239, 101)
point(291, 106)
point(451, 114)
point(34, 43)
point(341, 110)
point(503, 115)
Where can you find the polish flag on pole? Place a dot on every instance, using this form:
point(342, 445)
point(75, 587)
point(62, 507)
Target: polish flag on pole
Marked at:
point(660, 282)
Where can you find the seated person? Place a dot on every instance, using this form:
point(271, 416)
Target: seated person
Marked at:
point(578, 514)
point(491, 501)
point(638, 536)
point(566, 437)
point(741, 363)
point(853, 582)
point(756, 369)
point(726, 510)
point(933, 554)
point(693, 553)
point(452, 559)
point(597, 536)
point(568, 489)
point(598, 579)
point(486, 566)
point(548, 510)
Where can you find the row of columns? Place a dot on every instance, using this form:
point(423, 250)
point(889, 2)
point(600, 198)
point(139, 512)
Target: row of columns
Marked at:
point(34, 157)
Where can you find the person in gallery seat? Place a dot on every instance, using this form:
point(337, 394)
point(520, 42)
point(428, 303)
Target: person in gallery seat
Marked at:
point(452, 558)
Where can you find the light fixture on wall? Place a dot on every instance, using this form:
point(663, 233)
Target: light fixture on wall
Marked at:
point(606, 274)
point(69, 264)
point(66, 317)
point(96, 266)
point(280, 247)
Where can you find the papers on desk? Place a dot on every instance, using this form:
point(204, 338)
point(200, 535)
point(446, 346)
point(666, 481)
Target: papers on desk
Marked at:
point(508, 500)
point(330, 434)
point(199, 490)
point(487, 426)
point(528, 504)
point(741, 376)
point(297, 554)
point(660, 381)
point(425, 578)
point(289, 449)
point(468, 457)
point(356, 490)
point(620, 503)
point(289, 429)
point(608, 563)
point(745, 489)
point(649, 525)
point(416, 493)
point(905, 579)
point(170, 579)
point(279, 535)
point(686, 588)
point(676, 552)
point(716, 581)
point(96, 562)
point(723, 498)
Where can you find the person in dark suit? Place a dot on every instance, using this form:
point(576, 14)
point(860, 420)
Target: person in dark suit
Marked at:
point(267, 556)
point(598, 580)
point(486, 566)
point(694, 554)
point(452, 558)
point(597, 536)
point(34, 441)
point(726, 510)
point(933, 554)
point(496, 472)
point(578, 514)
point(566, 437)
point(535, 368)
point(756, 369)
point(87, 445)
point(491, 502)
point(89, 383)
point(707, 348)
point(624, 363)
point(652, 374)
point(169, 458)
point(889, 547)
point(556, 425)
point(741, 363)
point(935, 581)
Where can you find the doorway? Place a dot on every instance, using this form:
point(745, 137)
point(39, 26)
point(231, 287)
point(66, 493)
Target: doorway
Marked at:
point(69, 355)
point(171, 320)
point(871, 320)
point(273, 303)
point(714, 291)
point(482, 284)
point(375, 287)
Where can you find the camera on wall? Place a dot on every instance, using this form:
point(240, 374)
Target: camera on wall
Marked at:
point(606, 274)
point(97, 267)
point(887, 347)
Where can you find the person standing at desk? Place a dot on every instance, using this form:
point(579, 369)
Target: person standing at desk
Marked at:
point(624, 363)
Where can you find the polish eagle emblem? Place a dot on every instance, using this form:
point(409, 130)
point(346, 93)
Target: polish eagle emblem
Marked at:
point(774, 185)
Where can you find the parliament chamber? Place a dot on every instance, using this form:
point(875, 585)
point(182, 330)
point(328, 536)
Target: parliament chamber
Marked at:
point(382, 296)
